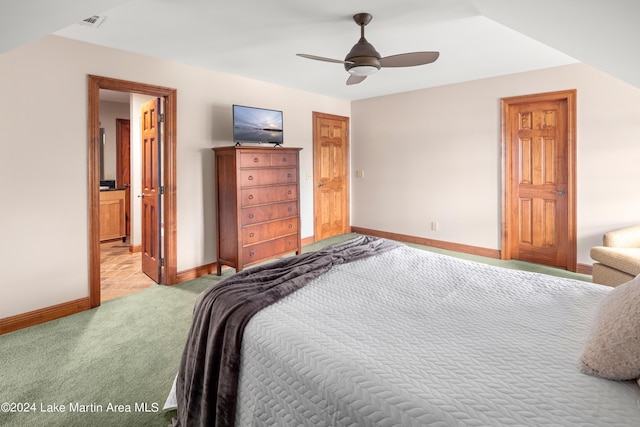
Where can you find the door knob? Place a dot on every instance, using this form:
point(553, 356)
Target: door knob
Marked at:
point(558, 192)
point(320, 185)
point(141, 195)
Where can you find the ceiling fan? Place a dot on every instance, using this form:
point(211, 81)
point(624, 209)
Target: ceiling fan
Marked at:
point(363, 59)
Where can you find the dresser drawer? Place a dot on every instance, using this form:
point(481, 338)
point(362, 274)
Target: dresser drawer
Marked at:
point(269, 230)
point(284, 159)
point(255, 160)
point(268, 249)
point(260, 195)
point(268, 176)
point(253, 215)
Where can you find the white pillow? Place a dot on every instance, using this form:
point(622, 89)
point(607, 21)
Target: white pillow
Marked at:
point(612, 350)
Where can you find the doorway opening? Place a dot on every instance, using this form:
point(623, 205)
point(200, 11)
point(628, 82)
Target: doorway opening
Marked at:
point(121, 172)
point(168, 166)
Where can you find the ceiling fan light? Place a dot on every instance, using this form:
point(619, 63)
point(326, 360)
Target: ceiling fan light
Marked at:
point(363, 70)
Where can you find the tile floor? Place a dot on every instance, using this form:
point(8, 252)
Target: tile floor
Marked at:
point(120, 271)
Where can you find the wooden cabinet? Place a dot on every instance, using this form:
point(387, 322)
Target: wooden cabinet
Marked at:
point(258, 202)
point(112, 215)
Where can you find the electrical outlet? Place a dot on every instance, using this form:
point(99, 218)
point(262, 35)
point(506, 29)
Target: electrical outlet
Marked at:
point(434, 226)
point(309, 176)
point(360, 173)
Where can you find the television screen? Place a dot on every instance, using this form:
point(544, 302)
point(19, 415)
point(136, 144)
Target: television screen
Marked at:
point(259, 125)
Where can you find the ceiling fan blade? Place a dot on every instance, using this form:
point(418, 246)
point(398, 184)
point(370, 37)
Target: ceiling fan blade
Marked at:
point(321, 58)
point(354, 80)
point(409, 59)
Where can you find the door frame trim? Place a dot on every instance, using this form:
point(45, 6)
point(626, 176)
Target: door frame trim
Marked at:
point(95, 83)
point(507, 226)
point(347, 171)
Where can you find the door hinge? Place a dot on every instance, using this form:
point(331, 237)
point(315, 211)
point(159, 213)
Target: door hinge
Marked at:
point(161, 118)
point(162, 189)
point(161, 262)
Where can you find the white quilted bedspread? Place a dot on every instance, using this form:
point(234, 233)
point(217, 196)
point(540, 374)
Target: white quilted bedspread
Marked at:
point(414, 338)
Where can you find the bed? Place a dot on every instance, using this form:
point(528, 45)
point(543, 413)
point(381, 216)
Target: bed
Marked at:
point(389, 335)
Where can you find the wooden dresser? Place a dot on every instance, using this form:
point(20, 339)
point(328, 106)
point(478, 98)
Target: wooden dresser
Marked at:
point(112, 215)
point(258, 202)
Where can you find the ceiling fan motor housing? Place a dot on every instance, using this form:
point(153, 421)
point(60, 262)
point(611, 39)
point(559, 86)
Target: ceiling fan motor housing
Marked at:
point(362, 54)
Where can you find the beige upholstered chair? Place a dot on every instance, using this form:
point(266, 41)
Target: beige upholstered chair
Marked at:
point(618, 260)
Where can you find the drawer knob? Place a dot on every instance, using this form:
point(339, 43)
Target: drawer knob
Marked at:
point(290, 209)
point(252, 253)
point(250, 178)
point(284, 160)
point(289, 175)
point(290, 242)
point(250, 196)
point(290, 225)
point(256, 160)
point(250, 216)
point(289, 192)
point(251, 234)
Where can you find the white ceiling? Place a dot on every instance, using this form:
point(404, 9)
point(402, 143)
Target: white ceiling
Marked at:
point(259, 39)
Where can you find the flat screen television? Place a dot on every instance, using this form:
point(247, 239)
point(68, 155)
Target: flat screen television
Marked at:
point(257, 125)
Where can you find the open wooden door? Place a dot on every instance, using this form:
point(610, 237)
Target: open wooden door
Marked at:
point(152, 189)
point(331, 170)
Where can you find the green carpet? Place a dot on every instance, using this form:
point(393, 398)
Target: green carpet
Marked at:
point(114, 365)
point(125, 352)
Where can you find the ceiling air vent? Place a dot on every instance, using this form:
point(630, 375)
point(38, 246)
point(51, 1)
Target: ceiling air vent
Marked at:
point(94, 21)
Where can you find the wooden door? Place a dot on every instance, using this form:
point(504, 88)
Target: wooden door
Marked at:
point(539, 152)
point(331, 175)
point(123, 167)
point(151, 189)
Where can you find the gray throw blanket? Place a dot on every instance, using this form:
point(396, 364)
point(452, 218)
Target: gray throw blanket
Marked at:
point(207, 382)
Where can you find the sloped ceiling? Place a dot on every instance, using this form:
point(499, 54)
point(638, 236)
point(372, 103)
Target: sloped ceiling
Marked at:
point(601, 33)
point(259, 39)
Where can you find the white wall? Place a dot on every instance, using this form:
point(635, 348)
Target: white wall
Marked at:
point(43, 158)
point(430, 155)
point(434, 155)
